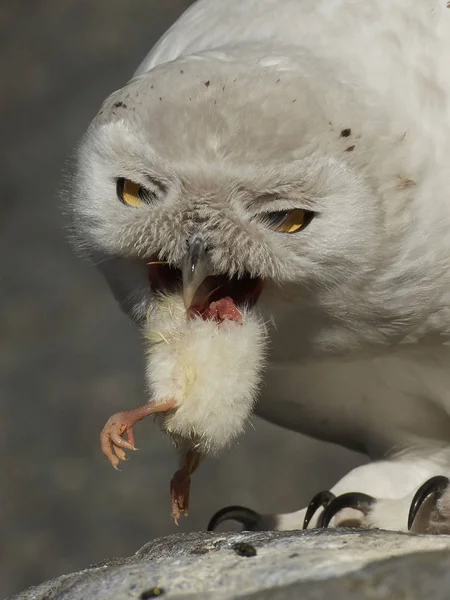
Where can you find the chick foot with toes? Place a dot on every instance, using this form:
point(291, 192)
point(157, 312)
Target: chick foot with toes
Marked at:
point(112, 439)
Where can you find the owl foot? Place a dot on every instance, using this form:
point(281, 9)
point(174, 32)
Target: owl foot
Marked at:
point(395, 499)
point(180, 484)
point(327, 501)
point(429, 512)
point(112, 441)
point(353, 509)
point(253, 521)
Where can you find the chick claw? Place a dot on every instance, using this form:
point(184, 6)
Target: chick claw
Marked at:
point(111, 437)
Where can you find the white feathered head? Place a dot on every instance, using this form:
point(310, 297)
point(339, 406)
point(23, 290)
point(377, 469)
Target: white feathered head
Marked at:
point(206, 190)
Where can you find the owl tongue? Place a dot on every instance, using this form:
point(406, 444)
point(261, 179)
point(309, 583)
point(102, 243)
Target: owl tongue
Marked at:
point(218, 298)
point(222, 310)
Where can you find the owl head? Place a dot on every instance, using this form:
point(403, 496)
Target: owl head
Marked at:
point(213, 192)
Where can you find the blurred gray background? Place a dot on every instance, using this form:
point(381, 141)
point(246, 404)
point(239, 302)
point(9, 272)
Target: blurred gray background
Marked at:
point(68, 357)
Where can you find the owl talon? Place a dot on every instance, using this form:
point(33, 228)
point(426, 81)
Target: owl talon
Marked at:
point(426, 498)
point(356, 500)
point(322, 499)
point(249, 518)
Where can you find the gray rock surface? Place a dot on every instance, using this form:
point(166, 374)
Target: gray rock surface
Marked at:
point(345, 564)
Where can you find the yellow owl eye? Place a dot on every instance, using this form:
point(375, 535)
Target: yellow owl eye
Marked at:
point(288, 221)
point(132, 194)
point(129, 192)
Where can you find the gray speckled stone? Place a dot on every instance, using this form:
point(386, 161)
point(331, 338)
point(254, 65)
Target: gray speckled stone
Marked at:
point(344, 564)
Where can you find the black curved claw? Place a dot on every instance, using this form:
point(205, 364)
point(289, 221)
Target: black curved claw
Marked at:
point(362, 502)
point(435, 485)
point(322, 499)
point(246, 516)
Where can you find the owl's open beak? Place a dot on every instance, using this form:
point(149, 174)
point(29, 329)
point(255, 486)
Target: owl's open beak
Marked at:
point(195, 269)
point(217, 297)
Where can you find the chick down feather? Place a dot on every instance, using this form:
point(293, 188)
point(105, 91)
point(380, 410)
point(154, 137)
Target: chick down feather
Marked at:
point(212, 371)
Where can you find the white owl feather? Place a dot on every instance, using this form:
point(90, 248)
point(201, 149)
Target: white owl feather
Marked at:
point(305, 143)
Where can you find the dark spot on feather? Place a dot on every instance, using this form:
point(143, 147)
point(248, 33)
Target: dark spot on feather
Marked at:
point(223, 88)
point(346, 132)
point(350, 149)
point(293, 555)
point(152, 87)
point(207, 83)
point(160, 99)
point(244, 549)
point(295, 100)
point(405, 182)
point(278, 81)
point(182, 72)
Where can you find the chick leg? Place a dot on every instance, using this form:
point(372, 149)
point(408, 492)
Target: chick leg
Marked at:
point(111, 437)
point(181, 483)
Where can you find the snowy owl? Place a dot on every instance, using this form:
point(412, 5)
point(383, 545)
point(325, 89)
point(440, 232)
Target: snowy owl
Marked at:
point(268, 198)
